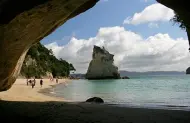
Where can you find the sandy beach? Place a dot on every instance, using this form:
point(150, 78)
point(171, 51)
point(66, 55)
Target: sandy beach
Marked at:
point(23, 104)
point(21, 92)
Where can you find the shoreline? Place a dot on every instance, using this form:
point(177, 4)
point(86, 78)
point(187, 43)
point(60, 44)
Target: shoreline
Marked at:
point(48, 92)
point(21, 92)
point(23, 104)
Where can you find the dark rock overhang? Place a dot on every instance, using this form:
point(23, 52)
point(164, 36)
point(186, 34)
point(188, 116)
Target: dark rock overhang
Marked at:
point(25, 22)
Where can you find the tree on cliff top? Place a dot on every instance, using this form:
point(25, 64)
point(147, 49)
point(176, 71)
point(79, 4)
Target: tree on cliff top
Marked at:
point(39, 60)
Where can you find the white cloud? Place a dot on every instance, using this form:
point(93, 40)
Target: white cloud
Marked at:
point(153, 13)
point(132, 52)
point(153, 25)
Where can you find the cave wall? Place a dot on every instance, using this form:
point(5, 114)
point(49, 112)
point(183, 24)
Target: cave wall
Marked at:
point(181, 7)
point(25, 22)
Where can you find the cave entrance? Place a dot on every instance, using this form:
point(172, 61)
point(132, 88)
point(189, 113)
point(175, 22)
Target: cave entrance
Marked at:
point(142, 38)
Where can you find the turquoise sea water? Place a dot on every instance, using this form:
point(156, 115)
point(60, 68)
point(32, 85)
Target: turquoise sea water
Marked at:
point(149, 91)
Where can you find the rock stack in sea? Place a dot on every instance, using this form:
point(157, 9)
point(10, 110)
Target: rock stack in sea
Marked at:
point(188, 71)
point(101, 65)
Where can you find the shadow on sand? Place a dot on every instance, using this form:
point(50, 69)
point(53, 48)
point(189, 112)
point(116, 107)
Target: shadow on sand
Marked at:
point(61, 112)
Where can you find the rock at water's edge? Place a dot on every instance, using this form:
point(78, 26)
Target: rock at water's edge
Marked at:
point(95, 100)
point(101, 66)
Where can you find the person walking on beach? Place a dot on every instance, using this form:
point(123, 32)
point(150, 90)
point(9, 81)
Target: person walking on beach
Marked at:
point(27, 81)
point(30, 82)
point(34, 81)
point(57, 80)
point(41, 82)
point(33, 84)
point(51, 79)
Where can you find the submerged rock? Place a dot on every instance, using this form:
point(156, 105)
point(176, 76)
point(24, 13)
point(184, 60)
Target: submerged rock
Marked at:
point(95, 100)
point(101, 66)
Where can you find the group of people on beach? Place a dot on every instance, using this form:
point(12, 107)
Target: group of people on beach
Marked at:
point(33, 82)
point(52, 79)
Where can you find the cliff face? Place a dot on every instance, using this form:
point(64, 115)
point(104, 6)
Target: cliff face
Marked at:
point(23, 23)
point(40, 62)
point(101, 66)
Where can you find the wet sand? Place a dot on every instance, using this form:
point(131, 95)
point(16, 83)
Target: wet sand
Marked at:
point(26, 105)
point(60, 112)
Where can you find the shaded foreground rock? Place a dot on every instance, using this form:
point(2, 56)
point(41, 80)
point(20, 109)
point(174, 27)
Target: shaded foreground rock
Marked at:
point(95, 100)
point(24, 23)
point(101, 66)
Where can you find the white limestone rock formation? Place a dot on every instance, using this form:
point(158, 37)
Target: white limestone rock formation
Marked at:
point(101, 66)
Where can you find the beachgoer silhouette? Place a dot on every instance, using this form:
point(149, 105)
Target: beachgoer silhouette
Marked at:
point(27, 82)
point(41, 82)
point(34, 81)
point(30, 82)
point(57, 80)
point(33, 84)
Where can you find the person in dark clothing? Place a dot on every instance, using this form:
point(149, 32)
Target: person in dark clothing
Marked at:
point(30, 82)
point(57, 80)
point(41, 82)
point(34, 81)
point(33, 84)
point(27, 82)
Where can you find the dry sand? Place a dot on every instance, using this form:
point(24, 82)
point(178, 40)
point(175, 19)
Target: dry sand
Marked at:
point(21, 92)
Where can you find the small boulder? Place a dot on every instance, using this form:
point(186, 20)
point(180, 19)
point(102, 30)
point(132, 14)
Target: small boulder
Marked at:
point(95, 100)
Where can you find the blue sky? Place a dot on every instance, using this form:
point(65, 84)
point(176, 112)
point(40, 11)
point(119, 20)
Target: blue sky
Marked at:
point(138, 32)
point(107, 14)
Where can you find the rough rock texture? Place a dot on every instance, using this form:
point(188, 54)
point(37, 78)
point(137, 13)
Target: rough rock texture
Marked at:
point(188, 71)
point(101, 66)
point(182, 8)
point(25, 22)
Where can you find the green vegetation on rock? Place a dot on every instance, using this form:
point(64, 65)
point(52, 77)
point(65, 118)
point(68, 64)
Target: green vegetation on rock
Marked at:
point(40, 61)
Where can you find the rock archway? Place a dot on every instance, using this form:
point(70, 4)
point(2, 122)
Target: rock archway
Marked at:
point(25, 22)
